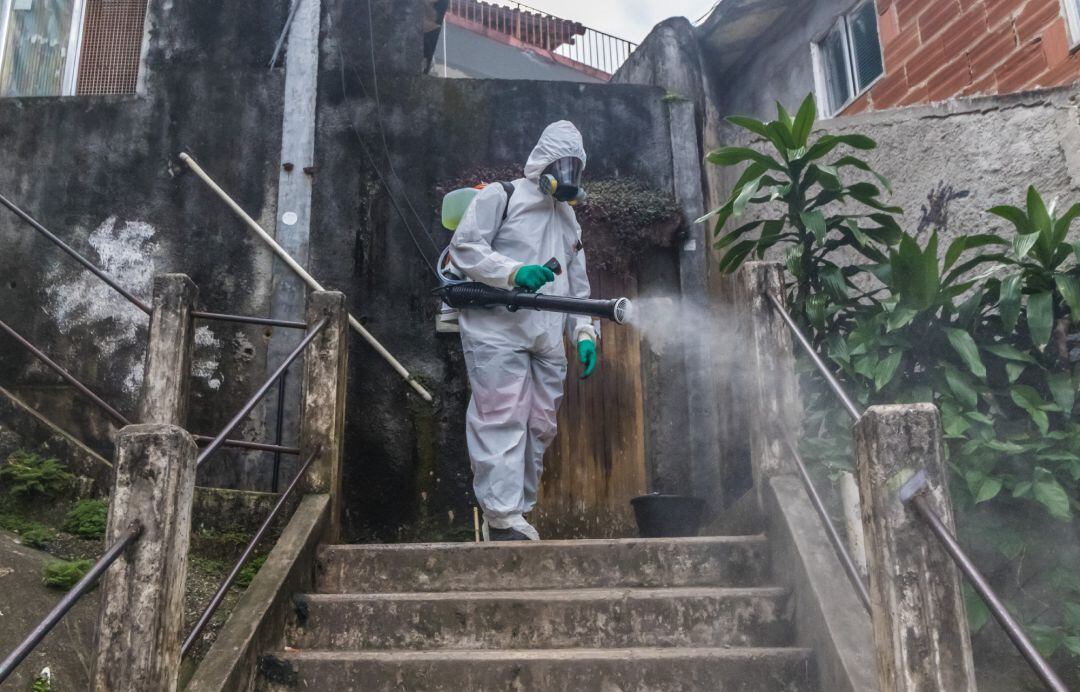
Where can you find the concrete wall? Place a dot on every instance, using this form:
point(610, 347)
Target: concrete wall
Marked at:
point(405, 459)
point(102, 173)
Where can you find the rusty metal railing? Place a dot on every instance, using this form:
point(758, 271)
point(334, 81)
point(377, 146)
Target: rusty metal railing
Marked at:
point(564, 38)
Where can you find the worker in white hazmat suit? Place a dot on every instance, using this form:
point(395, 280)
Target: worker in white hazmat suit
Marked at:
point(516, 360)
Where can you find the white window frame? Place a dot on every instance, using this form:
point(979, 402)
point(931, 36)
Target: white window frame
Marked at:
point(70, 80)
point(821, 73)
point(1072, 19)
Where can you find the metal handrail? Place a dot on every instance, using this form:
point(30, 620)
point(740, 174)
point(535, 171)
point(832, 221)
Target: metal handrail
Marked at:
point(113, 284)
point(834, 384)
point(260, 392)
point(116, 415)
point(219, 596)
point(853, 574)
point(67, 602)
point(914, 493)
point(75, 255)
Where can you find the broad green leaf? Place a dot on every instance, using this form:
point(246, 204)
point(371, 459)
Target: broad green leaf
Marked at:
point(1046, 639)
point(1040, 315)
point(815, 223)
point(731, 156)
point(969, 242)
point(833, 280)
point(1072, 615)
point(755, 126)
point(1023, 243)
point(1015, 216)
point(856, 232)
point(725, 210)
point(1009, 352)
point(1061, 227)
point(804, 121)
point(748, 191)
point(736, 234)
point(900, 317)
point(965, 346)
point(1009, 302)
point(1036, 211)
point(1047, 491)
point(1028, 399)
point(1014, 370)
point(886, 369)
point(783, 117)
point(1068, 286)
point(1073, 644)
point(863, 166)
point(977, 612)
point(1022, 489)
point(1063, 390)
point(857, 141)
point(987, 488)
point(960, 387)
point(734, 257)
point(780, 136)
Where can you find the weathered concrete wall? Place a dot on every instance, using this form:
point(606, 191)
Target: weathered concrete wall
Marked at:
point(405, 459)
point(101, 172)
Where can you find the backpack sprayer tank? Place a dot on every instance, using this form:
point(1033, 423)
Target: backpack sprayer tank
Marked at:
point(476, 295)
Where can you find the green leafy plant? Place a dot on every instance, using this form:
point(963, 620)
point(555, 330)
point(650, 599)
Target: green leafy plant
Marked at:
point(38, 537)
point(87, 519)
point(980, 328)
point(64, 574)
point(248, 572)
point(43, 681)
point(28, 474)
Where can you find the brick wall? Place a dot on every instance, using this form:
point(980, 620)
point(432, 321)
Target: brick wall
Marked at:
point(937, 49)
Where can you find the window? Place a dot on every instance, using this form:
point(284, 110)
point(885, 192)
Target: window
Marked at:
point(848, 59)
point(39, 46)
point(1072, 14)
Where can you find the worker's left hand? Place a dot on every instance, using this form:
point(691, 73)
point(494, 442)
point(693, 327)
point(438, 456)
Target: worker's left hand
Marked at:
point(586, 349)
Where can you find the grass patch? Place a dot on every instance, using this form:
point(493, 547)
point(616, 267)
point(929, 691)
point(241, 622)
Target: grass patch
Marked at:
point(64, 574)
point(87, 519)
point(243, 579)
point(28, 474)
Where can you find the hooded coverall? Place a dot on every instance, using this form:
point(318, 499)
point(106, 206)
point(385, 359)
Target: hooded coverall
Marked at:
point(516, 360)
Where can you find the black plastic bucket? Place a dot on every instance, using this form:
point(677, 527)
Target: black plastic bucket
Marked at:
point(667, 516)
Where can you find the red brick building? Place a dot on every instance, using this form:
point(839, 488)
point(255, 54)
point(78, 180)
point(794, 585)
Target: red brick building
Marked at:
point(937, 49)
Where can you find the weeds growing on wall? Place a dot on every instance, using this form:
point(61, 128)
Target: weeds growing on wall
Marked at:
point(27, 474)
point(979, 328)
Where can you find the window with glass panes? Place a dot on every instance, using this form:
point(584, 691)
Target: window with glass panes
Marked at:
point(1072, 14)
point(848, 58)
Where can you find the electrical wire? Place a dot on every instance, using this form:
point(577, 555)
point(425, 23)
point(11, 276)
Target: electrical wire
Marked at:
point(382, 129)
point(374, 165)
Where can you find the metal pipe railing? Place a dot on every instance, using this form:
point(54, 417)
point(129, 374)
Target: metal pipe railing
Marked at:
point(75, 255)
point(834, 384)
point(913, 493)
point(846, 561)
point(260, 392)
point(67, 602)
point(116, 415)
point(219, 596)
point(247, 319)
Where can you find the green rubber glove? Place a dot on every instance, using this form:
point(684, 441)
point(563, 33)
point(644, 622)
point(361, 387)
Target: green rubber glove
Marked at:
point(532, 277)
point(586, 350)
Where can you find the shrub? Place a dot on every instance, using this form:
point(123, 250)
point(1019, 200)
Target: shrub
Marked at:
point(243, 579)
point(87, 519)
point(28, 474)
point(38, 537)
point(64, 574)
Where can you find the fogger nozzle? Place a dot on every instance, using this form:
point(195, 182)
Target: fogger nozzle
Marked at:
point(477, 295)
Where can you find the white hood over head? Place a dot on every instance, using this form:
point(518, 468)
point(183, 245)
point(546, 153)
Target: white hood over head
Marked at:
point(559, 140)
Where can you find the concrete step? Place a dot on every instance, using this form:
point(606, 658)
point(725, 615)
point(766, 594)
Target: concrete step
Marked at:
point(551, 670)
point(588, 618)
point(710, 561)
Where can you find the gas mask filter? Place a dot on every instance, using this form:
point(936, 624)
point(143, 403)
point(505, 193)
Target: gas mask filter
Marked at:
point(562, 180)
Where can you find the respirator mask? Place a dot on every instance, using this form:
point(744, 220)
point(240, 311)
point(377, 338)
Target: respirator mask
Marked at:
point(562, 180)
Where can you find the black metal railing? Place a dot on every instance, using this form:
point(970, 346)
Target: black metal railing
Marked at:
point(118, 417)
point(219, 440)
point(219, 595)
point(913, 494)
point(67, 602)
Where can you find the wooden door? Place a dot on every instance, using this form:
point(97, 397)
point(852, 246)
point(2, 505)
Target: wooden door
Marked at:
point(597, 461)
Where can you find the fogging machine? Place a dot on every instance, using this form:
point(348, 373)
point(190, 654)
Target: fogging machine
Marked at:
point(471, 294)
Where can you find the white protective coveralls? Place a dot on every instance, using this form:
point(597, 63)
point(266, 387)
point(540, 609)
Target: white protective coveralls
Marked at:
point(516, 360)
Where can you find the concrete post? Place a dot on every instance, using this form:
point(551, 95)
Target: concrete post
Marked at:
point(703, 428)
point(920, 625)
point(165, 389)
point(772, 385)
point(323, 426)
point(142, 599)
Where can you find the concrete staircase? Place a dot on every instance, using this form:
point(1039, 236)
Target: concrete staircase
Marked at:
point(673, 614)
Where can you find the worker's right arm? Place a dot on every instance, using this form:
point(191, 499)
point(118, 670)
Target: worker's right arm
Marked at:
point(471, 248)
